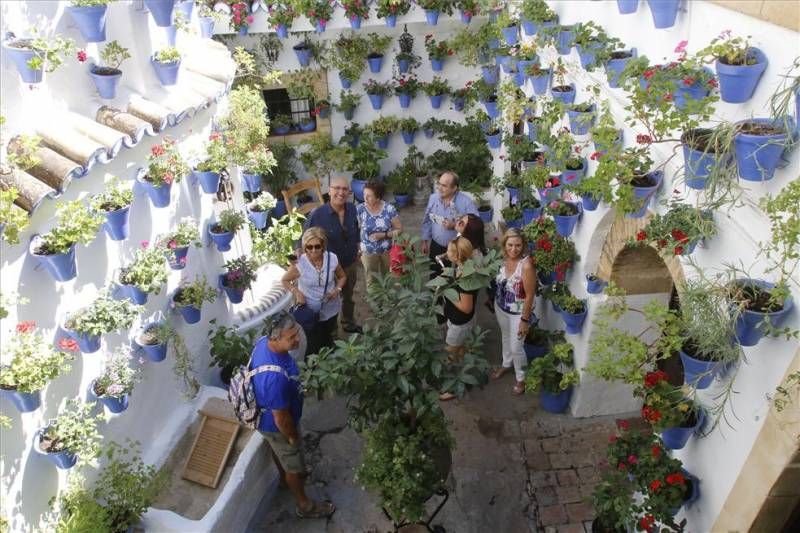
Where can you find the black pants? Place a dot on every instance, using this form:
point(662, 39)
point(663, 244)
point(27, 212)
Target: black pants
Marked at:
point(433, 250)
point(321, 335)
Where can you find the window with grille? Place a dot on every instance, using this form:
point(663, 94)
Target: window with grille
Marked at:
point(279, 103)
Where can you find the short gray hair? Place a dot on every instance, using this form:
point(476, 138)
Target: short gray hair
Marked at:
point(275, 324)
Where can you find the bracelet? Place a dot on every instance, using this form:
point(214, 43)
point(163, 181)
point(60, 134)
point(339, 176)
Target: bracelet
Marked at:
point(526, 320)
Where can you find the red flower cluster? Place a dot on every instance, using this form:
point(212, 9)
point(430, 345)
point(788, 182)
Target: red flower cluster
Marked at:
point(652, 379)
point(648, 74)
point(595, 156)
point(679, 236)
point(656, 451)
point(676, 478)
point(544, 244)
point(26, 327)
point(655, 485)
point(82, 56)
point(643, 139)
point(641, 235)
point(561, 270)
point(157, 150)
point(68, 345)
point(632, 459)
point(668, 97)
point(688, 81)
point(650, 414)
point(623, 424)
point(238, 10)
point(713, 82)
point(647, 522)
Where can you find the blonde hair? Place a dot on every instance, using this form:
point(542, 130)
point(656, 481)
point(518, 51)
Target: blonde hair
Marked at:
point(463, 248)
point(513, 233)
point(315, 232)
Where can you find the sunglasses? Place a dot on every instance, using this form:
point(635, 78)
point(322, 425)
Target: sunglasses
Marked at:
point(314, 247)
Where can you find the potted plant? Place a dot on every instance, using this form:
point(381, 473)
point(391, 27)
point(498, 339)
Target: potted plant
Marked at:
point(376, 47)
point(467, 9)
point(637, 182)
point(539, 78)
point(494, 135)
point(161, 11)
point(391, 9)
point(259, 208)
point(376, 91)
point(612, 501)
point(553, 375)
point(381, 130)
point(677, 231)
point(438, 51)
point(13, 219)
point(365, 166)
point(706, 155)
point(144, 275)
point(406, 88)
point(55, 250)
point(34, 55)
point(90, 17)
point(104, 315)
point(281, 17)
point(573, 311)
point(281, 124)
point(581, 117)
point(487, 96)
point(154, 339)
point(436, 89)
point(539, 341)
point(400, 182)
point(536, 14)
point(595, 285)
point(240, 18)
point(190, 296)
point(240, 273)
point(669, 409)
point(259, 161)
point(115, 385)
point(434, 7)
point(72, 435)
point(485, 211)
point(166, 64)
point(408, 128)
point(531, 207)
point(512, 216)
point(229, 349)
point(115, 203)
point(554, 255)
point(165, 167)
point(348, 102)
point(347, 55)
point(616, 63)
point(318, 12)
point(30, 364)
point(759, 307)
point(228, 222)
point(106, 77)
point(352, 135)
point(208, 171)
point(759, 144)
point(175, 244)
point(322, 109)
point(304, 50)
point(308, 123)
point(355, 11)
point(208, 18)
point(565, 214)
point(463, 97)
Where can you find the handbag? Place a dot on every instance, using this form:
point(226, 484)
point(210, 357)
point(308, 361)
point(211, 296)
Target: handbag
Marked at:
point(397, 258)
point(303, 314)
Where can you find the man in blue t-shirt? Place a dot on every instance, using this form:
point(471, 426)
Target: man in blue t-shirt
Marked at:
point(280, 397)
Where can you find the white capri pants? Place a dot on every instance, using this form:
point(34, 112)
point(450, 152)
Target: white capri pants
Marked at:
point(513, 352)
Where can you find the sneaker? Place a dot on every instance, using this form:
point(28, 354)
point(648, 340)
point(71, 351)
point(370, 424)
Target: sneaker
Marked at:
point(352, 328)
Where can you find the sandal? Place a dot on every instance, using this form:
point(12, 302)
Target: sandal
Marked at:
point(519, 388)
point(499, 372)
point(446, 396)
point(318, 510)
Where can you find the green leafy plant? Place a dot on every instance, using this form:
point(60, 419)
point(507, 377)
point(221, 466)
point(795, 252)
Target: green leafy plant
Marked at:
point(554, 372)
point(13, 219)
point(229, 221)
point(282, 14)
point(729, 50)
point(283, 174)
point(378, 44)
point(537, 11)
point(612, 500)
point(76, 223)
point(184, 234)
point(348, 101)
point(401, 180)
point(347, 54)
point(409, 124)
point(216, 159)
point(392, 7)
point(277, 243)
point(244, 125)
point(300, 83)
point(379, 88)
point(228, 348)
point(165, 165)
point(322, 158)
point(263, 202)
point(466, 152)
point(113, 54)
point(115, 197)
point(194, 293)
point(407, 85)
point(74, 429)
point(436, 86)
point(240, 273)
point(674, 231)
point(442, 6)
point(437, 49)
point(49, 53)
point(366, 159)
point(104, 315)
point(511, 213)
point(592, 37)
point(30, 362)
point(118, 378)
point(259, 160)
point(170, 54)
point(146, 271)
point(383, 125)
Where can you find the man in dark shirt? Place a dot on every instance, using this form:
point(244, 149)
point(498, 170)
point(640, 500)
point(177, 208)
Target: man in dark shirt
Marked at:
point(339, 219)
point(279, 396)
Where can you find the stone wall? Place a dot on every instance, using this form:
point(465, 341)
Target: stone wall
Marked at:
point(784, 13)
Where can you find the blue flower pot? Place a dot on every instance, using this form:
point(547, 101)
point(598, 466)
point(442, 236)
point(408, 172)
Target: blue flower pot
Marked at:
point(134, 294)
point(403, 65)
point(459, 103)
point(555, 403)
point(541, 83)
point(190, 314)
point(486, 215)
point(355, 23)
point(358, 188)
point(161, 11)
point(565, 39)
point(375, 63)
point(510, 34)
point(494, 44)
point(491, 108)
point(589, 202)
point(222, 240)
point(281, 130)
point(63, 459)
point(309, 126)
point(61, 266)
point(382, 142)
point(581, 122)
point(115, 405)
point(391, 21)
point(405, 100)
point(697, 166)
point(566, 97)
point(750, 325)
point(513, 195)
point(172, 35)
point(376, 100)
point(490, 74)
point(518, 78)
point(408, 137)
point(437, 65)
point(432, 17)
point(258, 218)
point(185, 7)
point(116, 224)
point(550, 193)
point(319, 26)
point(91, 21)
point(587, 54)
point(699, 373)
point(159, 196)
point(20, 58)
point(664, 12)
point(529, 215)
point(177, 257)
point(234, 295)
point(155, 352)
point(514, 223)
point(614, 68)
point(595, 286)
point(626, 7)
point(282, 31)
point(574, 322)
point(428, 132)
point(346, 83)
point(207, 27)
point(523, 64)
point(547, 278)
point(354, 141)
point(303, 54)
point(676, 438)
point(167, 73)
point(87, 343)
point(209, 181)
point(529, 27)
point(25, 402)
point(644, 194)
point(106, 84)
point(697, 91)
point(402, 200)
point(573, 177)
point(465, 17)
point(280, 209)
point(757, 156)
point(534, 351)
point(251, 182)
point(436, 101)
point(565, 225)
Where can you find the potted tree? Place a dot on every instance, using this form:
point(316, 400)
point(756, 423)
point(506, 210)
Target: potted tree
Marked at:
point(165, 167)
point(55, 250)
point(71, 436)
point(115, 203)
point(106, 77)
point(208, 171)
point(228, 222)
point(115, 385)
point(240, 273)
point(34, 55)
point(229, 349)
point(553, 375)
point(144, 275)
point(104, 315)
point(190, 296)
point(175, 244)
point(167, 64)
point(30, 364)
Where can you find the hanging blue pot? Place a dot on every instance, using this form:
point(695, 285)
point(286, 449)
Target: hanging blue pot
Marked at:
point(486, 214)
point(159, 196)
point(190, 313)
point(555, 403)
point(466, 18)
point(357, 186)
point(614, 68)
point(207, 27)
point(116, 224)
point(565, 38)
point(154, 352)
point(547, 278)
point(258, 218)
point(737, 83)
point(518, 78)
point(437, 64)
point(548, 194)
point(161, 11)
point(282, 31)
point(382, 142)
point(251, 182)
point(698, 165)
point(134, 294)
point(61, 266)
point(403, 65)
point(459, 103)
point(25, 402)
point(91, 21)
point(106, 84)
point(587, 54)
point(664, 12)
point(185, 7)
point(402, 200)
point(355, 23)
point(565, 224)
point(698, 373)
point(530, 214)
point(432, 16)
point(490, 74)
point(428, 132)
point(696, 91)
point(63, 459)
point(644, 194)
point(391, 21)
point(436, 101)
point(20, 58)
point(581, 121)
point(408, 137)
point(172, 35)
point(626, 7)
point(405, 100)
point(541, 83)
point(222, 240)
point(528, 27)
point(534, 351)
point(308, 126)
point(280, 209)
point(510, 34)
point(677, 437)
point(513, 195)
point(319, 26)
point(346, 83)
point(281, 130)
point(176, 257)
point(234, 295)
point(750, 325)
point(167, 73)
point(573, 177)
point(494, 44)
point(596, 285)
point(757, 156)
point(209, 181)
point(115, 405)
point(566, 97)
point(573, 323)
point(589, 202)
point(376, 100)
point(375, 63)
point(86, 342)
point(514, 223)
point(491, 108)
point(303, 53)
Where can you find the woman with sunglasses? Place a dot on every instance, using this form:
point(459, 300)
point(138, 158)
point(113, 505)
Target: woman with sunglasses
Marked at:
point(379, 223)
point(316, 280)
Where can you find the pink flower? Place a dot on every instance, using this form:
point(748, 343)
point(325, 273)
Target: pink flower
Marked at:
point(725, 34)
point(145, 244)
point(68, 345)
point(82, 56)
point(681, 47)
point(142, 360)
point(172, 244)
point(250, 19)
point(26, 327)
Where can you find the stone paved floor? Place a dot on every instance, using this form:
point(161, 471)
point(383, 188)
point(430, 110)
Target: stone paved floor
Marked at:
point(515, 467)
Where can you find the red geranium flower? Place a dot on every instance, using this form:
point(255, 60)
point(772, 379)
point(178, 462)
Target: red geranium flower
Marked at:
point(656, 449)
point(641, 235)
point(655, 485)
point(647, 522)
point(679, 236)
point(643, 139)
point(82, 56)
point(688, 81)
point(648, 74)
point(595, 156)
point(157, 150)
point(676, 478)
point(69, 345)
point(668, 97)
point(26, 327)
point(632, 459)
point(623, 424)
point(661, 243)
point(713, 82)
point(678, 250)
point(651, 379)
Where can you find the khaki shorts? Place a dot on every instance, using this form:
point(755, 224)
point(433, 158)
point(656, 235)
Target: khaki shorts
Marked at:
point(457, 335)
point(290, 457)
